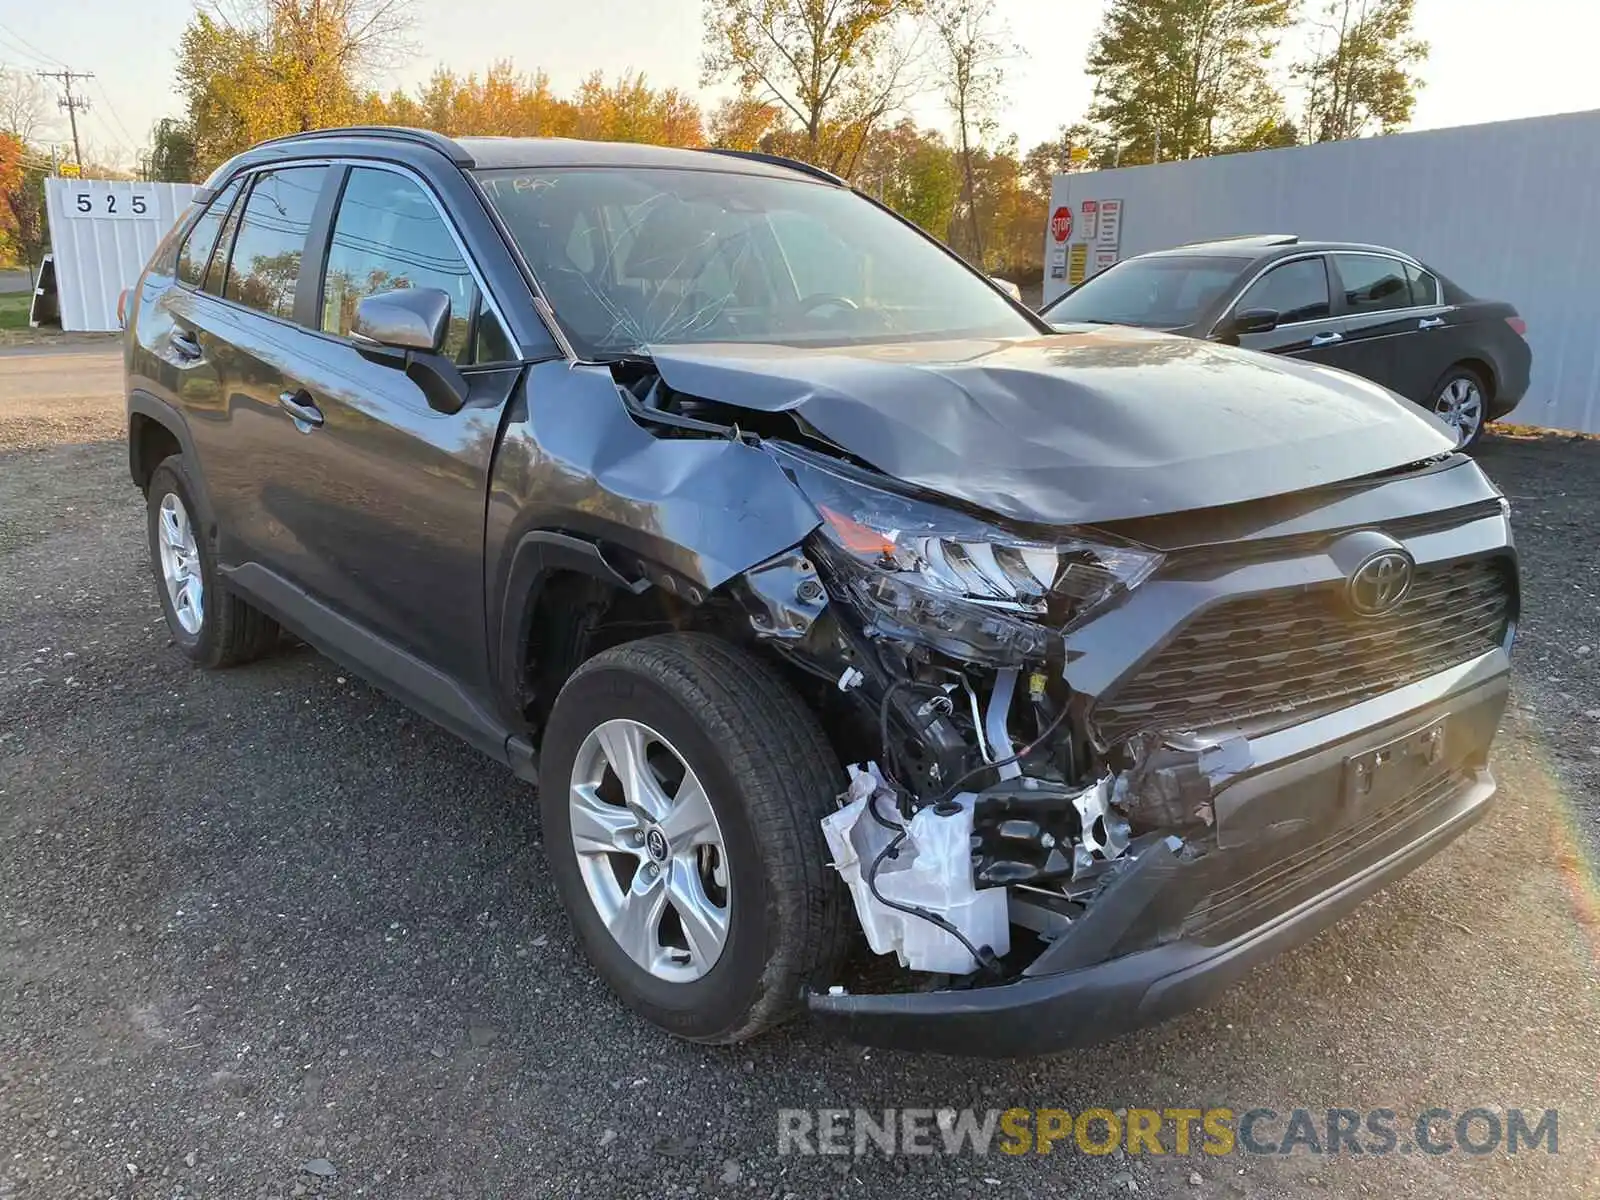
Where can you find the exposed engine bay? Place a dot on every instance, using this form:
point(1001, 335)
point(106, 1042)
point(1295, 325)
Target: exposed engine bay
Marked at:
point(987, 813)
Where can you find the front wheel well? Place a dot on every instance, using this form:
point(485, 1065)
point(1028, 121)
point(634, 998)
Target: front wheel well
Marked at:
point(149, 442)
point(1482, 368)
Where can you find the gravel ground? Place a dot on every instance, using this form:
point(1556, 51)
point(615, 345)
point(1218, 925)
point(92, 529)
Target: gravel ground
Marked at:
point(264, 933)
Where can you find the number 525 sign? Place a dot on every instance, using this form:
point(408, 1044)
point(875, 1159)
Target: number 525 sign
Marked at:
point(129, 205)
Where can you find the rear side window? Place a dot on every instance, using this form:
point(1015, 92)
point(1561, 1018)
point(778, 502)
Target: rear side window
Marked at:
point(202, 239)
point(388, 235)
point(1296, 291)
point(265, 266)
point(1424, 287)
point(1373, 284)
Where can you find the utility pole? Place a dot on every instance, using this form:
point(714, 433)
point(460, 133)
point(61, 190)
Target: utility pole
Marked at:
point(73, 104)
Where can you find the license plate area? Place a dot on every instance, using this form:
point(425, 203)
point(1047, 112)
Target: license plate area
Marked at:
point(1393, 769)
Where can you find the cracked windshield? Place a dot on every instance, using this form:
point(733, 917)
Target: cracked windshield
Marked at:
point(632, 258)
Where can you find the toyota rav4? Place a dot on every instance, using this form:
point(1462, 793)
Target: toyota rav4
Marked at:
point(876, 649)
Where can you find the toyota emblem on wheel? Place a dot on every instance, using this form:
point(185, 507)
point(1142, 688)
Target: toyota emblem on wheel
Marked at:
point(1381, 583)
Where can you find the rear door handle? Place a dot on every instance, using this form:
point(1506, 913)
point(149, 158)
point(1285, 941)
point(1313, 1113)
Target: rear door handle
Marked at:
point(301, 407)
point(185, 343)
point(1327, 339)
point(1431, 323)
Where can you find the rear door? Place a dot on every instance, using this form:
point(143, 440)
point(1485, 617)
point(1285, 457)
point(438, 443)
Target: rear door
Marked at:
point(243, 343)
point(1375, 293)
point(1297, 289)
point(1443, 335)
point(383, 498)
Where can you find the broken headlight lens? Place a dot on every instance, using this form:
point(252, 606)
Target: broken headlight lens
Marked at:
point(967, 587)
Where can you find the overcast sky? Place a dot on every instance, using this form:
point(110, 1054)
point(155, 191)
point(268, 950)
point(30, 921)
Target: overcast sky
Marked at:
point(1491, 60)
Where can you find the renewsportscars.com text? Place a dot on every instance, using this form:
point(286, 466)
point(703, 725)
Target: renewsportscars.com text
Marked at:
point(1215, 1131)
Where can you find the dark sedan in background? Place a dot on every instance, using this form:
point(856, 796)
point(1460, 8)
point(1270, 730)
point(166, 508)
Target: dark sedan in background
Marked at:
point(1374, 312)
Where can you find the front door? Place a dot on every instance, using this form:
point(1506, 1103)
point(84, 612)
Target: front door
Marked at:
point(385, 501)
point(1297, 290)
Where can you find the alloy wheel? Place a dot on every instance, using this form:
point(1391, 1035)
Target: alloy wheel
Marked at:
point(180, 564)
point(1460, 403)
point(650, 851)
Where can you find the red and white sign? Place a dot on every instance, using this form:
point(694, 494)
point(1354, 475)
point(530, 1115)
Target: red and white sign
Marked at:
point(1111, 224)
point(1061, 223)
point(1089, 210)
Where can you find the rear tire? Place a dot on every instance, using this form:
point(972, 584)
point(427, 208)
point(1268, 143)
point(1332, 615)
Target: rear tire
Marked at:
point(213, 627)
point(1461, 399)
point(698, 709)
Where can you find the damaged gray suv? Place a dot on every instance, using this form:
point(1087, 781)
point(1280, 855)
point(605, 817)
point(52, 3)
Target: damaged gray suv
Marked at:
point(877, 650)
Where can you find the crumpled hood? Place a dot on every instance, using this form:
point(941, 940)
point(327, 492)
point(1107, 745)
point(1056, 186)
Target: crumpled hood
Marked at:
point(1091, 425)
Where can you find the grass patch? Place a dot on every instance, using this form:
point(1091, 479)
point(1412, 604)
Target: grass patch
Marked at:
point(14, 310)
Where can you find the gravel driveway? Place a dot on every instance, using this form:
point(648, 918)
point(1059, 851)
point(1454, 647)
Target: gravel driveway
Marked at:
point(264, 933)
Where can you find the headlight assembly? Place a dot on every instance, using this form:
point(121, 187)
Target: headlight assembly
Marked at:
point(969, 588)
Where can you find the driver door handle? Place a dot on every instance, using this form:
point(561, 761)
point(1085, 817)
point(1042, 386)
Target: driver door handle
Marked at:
point(1431, 323)
point(1327, 339)
point(185, 343)
point(301, 407)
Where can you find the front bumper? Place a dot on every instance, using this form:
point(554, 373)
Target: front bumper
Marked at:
point(1291, 854)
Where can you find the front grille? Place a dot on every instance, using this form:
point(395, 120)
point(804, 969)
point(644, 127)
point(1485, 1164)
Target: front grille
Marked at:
point(1249, 899)
point(1301, 650)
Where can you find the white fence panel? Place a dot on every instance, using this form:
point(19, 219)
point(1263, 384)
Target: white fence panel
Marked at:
point(1507, 210)
point(102, 232)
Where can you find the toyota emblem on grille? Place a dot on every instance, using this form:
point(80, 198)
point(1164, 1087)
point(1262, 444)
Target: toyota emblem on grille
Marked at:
point(1381, 583)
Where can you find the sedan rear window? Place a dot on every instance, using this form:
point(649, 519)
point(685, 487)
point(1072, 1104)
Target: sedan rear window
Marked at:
point(1158, 293)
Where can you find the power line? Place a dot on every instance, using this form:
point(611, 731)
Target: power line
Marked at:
point(73, 104)
point(25, 47)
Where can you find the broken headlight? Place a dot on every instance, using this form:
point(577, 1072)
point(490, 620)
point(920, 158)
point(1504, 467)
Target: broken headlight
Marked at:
point(971, 589)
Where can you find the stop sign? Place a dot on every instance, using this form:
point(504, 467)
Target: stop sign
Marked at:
point(1061, 223)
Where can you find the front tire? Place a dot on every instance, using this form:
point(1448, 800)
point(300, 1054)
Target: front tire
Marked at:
point(212, 626)
point(1461, 400)
point(682, 786)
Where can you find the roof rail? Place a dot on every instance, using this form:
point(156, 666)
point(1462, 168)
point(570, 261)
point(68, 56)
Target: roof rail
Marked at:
point(778, 160)
point(449, 147)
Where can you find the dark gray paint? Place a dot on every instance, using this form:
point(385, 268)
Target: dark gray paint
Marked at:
point(1098, 424)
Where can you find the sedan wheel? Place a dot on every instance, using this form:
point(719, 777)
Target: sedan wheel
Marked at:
point(650, 851)
point(1461, 403)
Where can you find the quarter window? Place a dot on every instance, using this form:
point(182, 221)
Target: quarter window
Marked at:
point(388, 235)
point(1296, 291)
point(1373, 284)
point(1424, 286)
point(202, 239)
point(265, 266)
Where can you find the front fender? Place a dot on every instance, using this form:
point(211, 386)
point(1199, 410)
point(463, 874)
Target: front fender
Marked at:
point(688, 513)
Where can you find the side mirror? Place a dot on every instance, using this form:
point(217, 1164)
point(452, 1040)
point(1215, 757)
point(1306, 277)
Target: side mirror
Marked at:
point(406, 328)
point(1253, 320)
point(405, 319)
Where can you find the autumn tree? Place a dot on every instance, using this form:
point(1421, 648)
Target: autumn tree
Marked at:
point(1183, 78)
point(971, 48)
point(836, 67)
point(23, 105)
point(172, 151)
point(913, 171)
point(1359, 78)
point(253, 70)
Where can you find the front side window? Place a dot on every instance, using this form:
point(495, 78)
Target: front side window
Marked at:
point(1296, 291)
point(389, 235)
point(630, 257)
point(202, 239)
point(1161, 292)
point(265, 266)
point(1373, 284)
